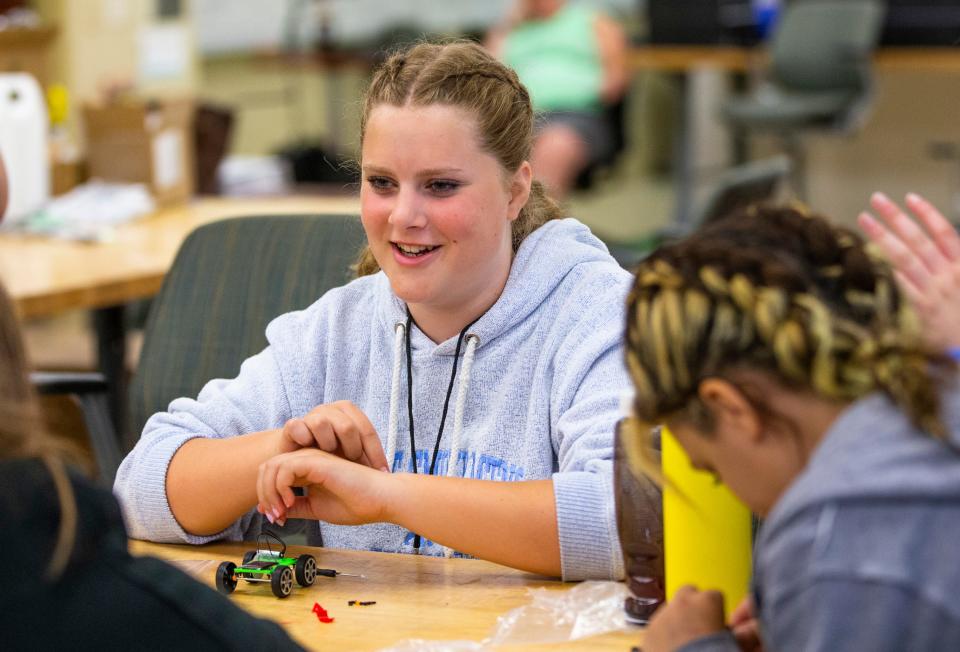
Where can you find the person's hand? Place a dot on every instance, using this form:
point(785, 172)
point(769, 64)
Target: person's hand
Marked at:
point(690, 614)
point(745, 627)
point(337, 491)
point(926, 263)
point(340, 428)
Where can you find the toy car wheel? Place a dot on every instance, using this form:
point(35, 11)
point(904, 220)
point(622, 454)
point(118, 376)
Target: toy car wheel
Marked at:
point(282, 582)
point(226, 581)
point(306, 570)
point(248, 556)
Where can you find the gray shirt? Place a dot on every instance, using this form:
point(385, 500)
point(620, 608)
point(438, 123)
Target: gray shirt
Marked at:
point(862, 552)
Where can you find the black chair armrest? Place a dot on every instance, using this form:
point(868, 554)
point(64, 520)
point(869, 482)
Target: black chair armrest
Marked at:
point(57, 382)
point(91, 392)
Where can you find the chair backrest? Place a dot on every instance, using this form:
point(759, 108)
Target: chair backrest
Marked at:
point(743, 185)
point(825, 45)
point(229, 279)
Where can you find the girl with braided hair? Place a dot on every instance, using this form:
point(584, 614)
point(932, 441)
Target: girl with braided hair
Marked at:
point(481, 343)
point(777, 350)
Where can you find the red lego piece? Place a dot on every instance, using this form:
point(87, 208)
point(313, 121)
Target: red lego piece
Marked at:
point(321, 613)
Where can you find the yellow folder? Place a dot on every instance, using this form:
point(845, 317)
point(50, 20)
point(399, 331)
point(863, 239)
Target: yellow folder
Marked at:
point(706, 530)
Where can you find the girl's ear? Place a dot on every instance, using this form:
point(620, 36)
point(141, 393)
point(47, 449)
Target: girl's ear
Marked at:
point(520, 189)
point(731, 411)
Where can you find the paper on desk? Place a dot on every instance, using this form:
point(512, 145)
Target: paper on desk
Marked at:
point(91, 210)
point(588, 609)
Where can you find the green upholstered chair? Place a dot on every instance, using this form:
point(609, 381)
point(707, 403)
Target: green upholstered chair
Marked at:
point(819, 75)
point(229, 279)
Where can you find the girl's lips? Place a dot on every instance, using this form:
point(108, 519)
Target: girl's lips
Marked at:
point(413, 261)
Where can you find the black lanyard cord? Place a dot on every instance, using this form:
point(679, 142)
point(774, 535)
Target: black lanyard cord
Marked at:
point(446, 405)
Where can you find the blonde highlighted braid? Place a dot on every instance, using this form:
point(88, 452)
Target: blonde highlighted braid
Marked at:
point(781, 291)
point(464, 75)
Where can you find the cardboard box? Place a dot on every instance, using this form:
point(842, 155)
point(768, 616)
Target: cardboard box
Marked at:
point(143, 142)
point(27, 50)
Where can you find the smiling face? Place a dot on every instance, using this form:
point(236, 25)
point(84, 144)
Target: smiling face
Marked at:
point(437, 210)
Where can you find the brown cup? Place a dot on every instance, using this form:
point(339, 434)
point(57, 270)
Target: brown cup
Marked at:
point(639, 505)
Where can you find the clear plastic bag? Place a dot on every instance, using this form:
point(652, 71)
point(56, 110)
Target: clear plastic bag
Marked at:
point(588, 609)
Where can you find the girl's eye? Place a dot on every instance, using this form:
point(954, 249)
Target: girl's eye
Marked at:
point(442, 186)
point(379, 183)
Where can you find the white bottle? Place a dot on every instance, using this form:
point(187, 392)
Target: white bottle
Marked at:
point(23, 143)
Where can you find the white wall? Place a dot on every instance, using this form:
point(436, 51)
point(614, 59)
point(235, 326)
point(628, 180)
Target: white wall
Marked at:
point(241, 25)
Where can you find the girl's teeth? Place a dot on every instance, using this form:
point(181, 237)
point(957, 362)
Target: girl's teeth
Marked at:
point(414, 250)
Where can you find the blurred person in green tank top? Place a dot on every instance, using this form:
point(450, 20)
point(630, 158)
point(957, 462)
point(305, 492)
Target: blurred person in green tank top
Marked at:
point(572, 59)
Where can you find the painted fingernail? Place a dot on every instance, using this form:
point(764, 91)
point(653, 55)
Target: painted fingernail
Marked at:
point(269, 517)
point(276, 512)
point(913, 197)
point(385, 469)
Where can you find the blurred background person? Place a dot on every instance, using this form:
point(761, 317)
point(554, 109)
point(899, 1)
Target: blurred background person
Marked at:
point(572, 58)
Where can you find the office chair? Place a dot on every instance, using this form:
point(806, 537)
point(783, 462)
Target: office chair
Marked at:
point(229, 279)
point(736, 188)
point(819, 74)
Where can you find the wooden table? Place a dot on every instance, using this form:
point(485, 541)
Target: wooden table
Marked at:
point(46, 276)
point(417, 597)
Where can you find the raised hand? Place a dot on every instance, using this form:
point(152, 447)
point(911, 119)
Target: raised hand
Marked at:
point(926, 262)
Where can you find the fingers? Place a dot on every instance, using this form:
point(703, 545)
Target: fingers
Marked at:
point(340, 428)
point(277, 477)
point(332, 429)
point(897, 252)
point(909, 232)
point(743, 612)
point(373, 452)
point(943, 233)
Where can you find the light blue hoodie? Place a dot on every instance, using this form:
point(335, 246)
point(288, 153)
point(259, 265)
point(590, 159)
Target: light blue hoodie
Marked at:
point(535, 396)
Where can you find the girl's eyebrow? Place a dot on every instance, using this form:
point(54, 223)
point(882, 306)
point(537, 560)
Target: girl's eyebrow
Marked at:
point(432, 172)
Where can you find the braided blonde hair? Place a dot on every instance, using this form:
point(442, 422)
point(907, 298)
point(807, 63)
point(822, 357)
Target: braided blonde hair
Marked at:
point(464, 75)
point(781, 291)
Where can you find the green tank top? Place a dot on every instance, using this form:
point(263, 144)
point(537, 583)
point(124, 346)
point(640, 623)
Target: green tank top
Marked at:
point(558, 60)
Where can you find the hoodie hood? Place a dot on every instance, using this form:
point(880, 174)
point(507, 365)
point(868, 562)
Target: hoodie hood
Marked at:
point(545, 258)
point(873, 451)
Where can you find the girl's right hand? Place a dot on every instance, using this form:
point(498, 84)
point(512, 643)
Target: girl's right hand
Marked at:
point(340, 428)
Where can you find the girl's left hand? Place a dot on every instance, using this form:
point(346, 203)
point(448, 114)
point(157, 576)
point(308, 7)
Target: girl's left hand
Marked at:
point(337, 490)
point(690, 614)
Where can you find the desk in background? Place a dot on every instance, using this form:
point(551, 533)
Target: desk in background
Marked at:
point(416, 596)
point(684, 61)
point(45, 276)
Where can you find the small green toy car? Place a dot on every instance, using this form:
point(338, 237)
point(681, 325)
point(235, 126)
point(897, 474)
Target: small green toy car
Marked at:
point(265, 564)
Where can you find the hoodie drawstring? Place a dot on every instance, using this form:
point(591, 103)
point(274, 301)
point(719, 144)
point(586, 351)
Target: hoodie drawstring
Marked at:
point(401, 341)
point(399, 331)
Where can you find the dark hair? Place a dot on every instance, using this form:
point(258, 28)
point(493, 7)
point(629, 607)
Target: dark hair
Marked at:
point(463, 74)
